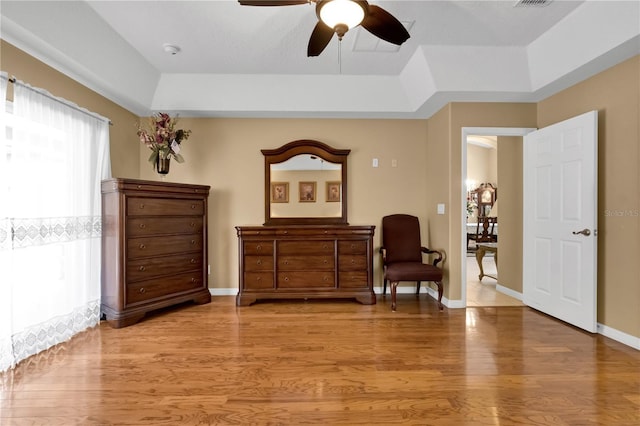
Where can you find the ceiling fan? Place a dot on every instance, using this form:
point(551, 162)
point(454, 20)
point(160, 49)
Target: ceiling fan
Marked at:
point(339, 16)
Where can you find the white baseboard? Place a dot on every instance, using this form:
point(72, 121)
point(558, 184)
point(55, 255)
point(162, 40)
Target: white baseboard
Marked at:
point(619, 336)
point(223, 291)
point(509, 292)
point(611, 333)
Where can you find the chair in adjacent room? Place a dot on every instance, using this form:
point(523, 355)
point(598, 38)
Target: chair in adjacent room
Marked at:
point(485, 231)
point(402, 256)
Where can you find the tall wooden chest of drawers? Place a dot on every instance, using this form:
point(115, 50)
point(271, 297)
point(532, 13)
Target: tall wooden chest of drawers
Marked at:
point(154, 247)
point(305, 261)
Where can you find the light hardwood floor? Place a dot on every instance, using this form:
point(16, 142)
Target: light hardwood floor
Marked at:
point(483, 292)
point(329, 363)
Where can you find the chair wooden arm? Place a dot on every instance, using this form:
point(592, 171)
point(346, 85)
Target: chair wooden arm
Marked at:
point(383, 254)
point(438, 259)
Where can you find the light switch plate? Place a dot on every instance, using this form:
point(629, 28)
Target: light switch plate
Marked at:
point(440, 208)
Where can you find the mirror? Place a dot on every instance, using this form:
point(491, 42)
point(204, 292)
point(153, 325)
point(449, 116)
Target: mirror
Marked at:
point(305, 183)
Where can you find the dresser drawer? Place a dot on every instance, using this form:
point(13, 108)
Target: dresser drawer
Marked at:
point(308, 280)
point(143, 291)
point(258, 247)
point(352, 247)
point(305, 263)
point(142, 269)
point(352, 262)
point(258, 263)
point(156, 246)
point(305, 247)
point(258, 280)
point(142, 226)
point(353, 279)
point(139, 206)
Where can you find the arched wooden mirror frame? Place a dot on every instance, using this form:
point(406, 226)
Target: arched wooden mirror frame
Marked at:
point(311, 147)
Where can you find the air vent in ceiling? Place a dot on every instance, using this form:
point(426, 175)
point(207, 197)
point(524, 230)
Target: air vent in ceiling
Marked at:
point(532, 3)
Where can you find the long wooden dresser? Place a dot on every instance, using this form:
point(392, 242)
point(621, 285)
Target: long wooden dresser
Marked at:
point(154, 247)
point(304, 262)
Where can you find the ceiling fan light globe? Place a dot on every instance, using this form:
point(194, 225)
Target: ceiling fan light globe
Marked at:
point(341, 13)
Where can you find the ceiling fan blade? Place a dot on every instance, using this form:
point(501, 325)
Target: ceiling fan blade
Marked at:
point(382, 24)
point(271, 2)
point(320, 38)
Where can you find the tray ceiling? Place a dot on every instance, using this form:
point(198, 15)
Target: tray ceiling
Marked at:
point(251, 61)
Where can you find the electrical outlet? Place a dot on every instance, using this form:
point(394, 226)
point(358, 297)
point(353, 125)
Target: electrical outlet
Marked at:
point(374, 162)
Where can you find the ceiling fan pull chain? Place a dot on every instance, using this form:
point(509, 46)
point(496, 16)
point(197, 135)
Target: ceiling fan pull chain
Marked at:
point(340, 56)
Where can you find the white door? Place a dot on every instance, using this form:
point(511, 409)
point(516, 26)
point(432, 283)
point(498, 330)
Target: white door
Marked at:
point(560, 220)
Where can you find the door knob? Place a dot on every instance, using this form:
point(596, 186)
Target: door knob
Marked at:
point(586, 232)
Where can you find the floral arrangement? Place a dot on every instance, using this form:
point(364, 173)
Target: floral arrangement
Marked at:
point(471, 205)
point(163, 138)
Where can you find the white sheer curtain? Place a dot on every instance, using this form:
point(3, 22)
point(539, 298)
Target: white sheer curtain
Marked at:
point(55, 155)
point(6, 357)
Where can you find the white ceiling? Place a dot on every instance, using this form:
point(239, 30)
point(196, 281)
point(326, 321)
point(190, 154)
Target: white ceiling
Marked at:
point(241, 61)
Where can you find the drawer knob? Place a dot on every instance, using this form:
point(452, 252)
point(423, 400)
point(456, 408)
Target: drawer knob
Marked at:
point(286, 278)
point(193, 280)
point(142, 206)
point(325, 261)
point(258, 247)
point(325, 279)
point(142, 246)
point(141, 268)
point(192, 224)
point(353, 261)
point(353, 246)
point(193, 261)
point(286, 262)
point(142, 226)
point(259, 262)
point(193, 206)
point(258, 278)
point(142, 290)
point(193, 242)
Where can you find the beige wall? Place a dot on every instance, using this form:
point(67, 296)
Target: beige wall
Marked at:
point(468, 115)
point(615, 93)
point(124, 157)
point(438, 167)
point(225, 153)
point(510, 212)
point(482, 164)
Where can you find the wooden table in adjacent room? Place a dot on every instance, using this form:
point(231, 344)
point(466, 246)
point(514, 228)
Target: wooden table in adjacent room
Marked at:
point(483, 248)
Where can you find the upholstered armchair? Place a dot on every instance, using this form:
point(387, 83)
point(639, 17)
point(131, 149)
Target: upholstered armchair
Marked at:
point(402, 256)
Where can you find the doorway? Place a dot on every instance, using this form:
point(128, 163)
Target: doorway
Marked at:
point(488, 291)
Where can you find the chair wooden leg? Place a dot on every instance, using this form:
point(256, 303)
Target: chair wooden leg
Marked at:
point(384, 286)
point(417, 288)
point(394, 287)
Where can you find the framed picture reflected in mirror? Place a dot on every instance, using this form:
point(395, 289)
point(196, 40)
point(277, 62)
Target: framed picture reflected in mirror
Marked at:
point(307, 192)
point(333, 192)
point(280, 192)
